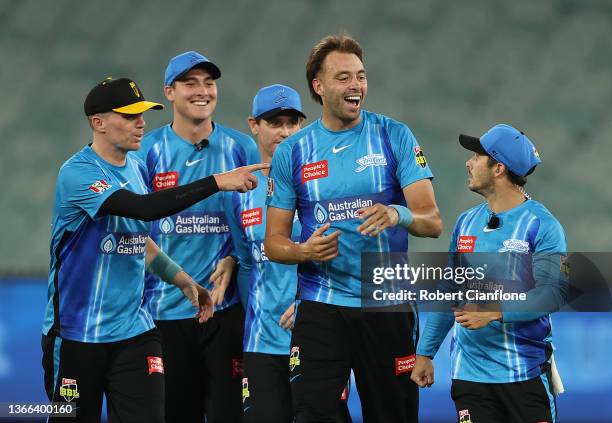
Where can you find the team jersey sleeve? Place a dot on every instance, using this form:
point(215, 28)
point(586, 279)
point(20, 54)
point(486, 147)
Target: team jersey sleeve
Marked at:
point(240, 244)
point(439, 322)
point(412, 164)
point(85, 186)
point(550, 273)
point(281, 192)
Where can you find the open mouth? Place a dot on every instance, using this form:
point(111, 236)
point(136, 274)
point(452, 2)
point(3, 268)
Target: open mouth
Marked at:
point(353, 100)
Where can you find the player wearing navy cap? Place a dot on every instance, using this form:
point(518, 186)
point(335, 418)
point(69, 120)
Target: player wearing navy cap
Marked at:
point(360, 183)
point(98, 336)
point(502, 364)
point(203, 363)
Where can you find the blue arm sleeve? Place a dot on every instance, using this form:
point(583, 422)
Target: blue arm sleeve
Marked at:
point(240, 245)
point(281, 193)
point(412, 165)
point(551, 282)
point(439, 322)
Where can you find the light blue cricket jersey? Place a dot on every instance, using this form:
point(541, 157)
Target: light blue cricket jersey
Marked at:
point(327, 176)
point(96, 279)
point(529, 246)
point(197, 237)
point(266, 288)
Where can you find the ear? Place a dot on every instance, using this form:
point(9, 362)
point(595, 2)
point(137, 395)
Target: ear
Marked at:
point(317, 87)
point(169, 93)
point(253, 125)
point(97, 123)
point(499, 169)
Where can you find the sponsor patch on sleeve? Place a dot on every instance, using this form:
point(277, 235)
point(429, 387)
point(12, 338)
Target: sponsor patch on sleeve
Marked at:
point(419, 157)
point(270, 191)
point(165, 180)
point(99, 186)
point(564, 265)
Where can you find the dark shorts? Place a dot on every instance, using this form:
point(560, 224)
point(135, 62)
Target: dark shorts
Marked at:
point(530, 401)
point(204, 367)
point(129, 372)
point(328, 341)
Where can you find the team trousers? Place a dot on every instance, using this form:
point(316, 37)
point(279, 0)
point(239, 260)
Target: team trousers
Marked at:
point(129, 372)
point(328, 341)
point(204, 367)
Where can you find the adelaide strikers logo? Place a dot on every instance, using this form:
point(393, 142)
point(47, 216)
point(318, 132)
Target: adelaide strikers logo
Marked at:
point(320, 214)
point(294, 358)
point(69, 389)
point(108, 244)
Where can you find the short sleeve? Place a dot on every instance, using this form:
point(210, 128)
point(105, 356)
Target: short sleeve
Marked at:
point(412, 164)
point(85, 186)
point(281, 192)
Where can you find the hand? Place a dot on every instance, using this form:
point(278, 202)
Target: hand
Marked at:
point(240, 179)
point(423, 372)
point(221, 277)
point(321, 247)
point(377, 218)
point(476, 316)
point(197, 296)
point(288, 318)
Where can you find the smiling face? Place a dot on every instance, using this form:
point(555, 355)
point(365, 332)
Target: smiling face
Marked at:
point(193, 96)
point(343, 86)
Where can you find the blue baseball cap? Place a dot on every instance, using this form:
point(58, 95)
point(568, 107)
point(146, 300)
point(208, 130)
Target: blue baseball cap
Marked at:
point(508, 146)
point(275, 99)
point(184, 62)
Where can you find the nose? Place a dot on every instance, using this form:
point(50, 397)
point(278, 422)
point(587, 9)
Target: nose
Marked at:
point(284, 131)
point(140, 122)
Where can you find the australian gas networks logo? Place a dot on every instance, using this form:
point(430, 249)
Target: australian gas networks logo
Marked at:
point(130, 244)
point(339, 210)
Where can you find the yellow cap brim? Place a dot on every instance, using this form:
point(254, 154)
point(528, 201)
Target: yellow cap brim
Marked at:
point(139, 107)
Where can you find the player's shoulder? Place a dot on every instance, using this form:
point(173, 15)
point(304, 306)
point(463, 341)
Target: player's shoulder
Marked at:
point(300, 136)
point(547, 219)
point(79, 160)
point(470, 213)
point(135, 159)
point(387, 122)
point(238, 136)
point(155, 135)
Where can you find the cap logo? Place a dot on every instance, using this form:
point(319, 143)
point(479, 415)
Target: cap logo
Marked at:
point(280, 96)
point(193, 58)
point(135, 89)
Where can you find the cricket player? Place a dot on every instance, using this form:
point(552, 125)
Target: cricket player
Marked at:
point(360, 183)
point(502, 363)
point(98, 335)
point(267, 288)
point(203, 363)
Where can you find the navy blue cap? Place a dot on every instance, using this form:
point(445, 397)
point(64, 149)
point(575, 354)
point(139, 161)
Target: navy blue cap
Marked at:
point(508, 146)
point(275, 99)
point(184, 62)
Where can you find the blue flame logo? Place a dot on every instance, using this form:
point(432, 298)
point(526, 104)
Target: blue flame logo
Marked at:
point(320, 214)
point(255, 253)
point(108, 244)
point(166, 225)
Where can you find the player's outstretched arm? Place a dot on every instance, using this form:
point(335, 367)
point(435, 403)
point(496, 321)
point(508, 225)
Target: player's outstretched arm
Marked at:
point(280, 248)
point(158, 263)
point(167, 202)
